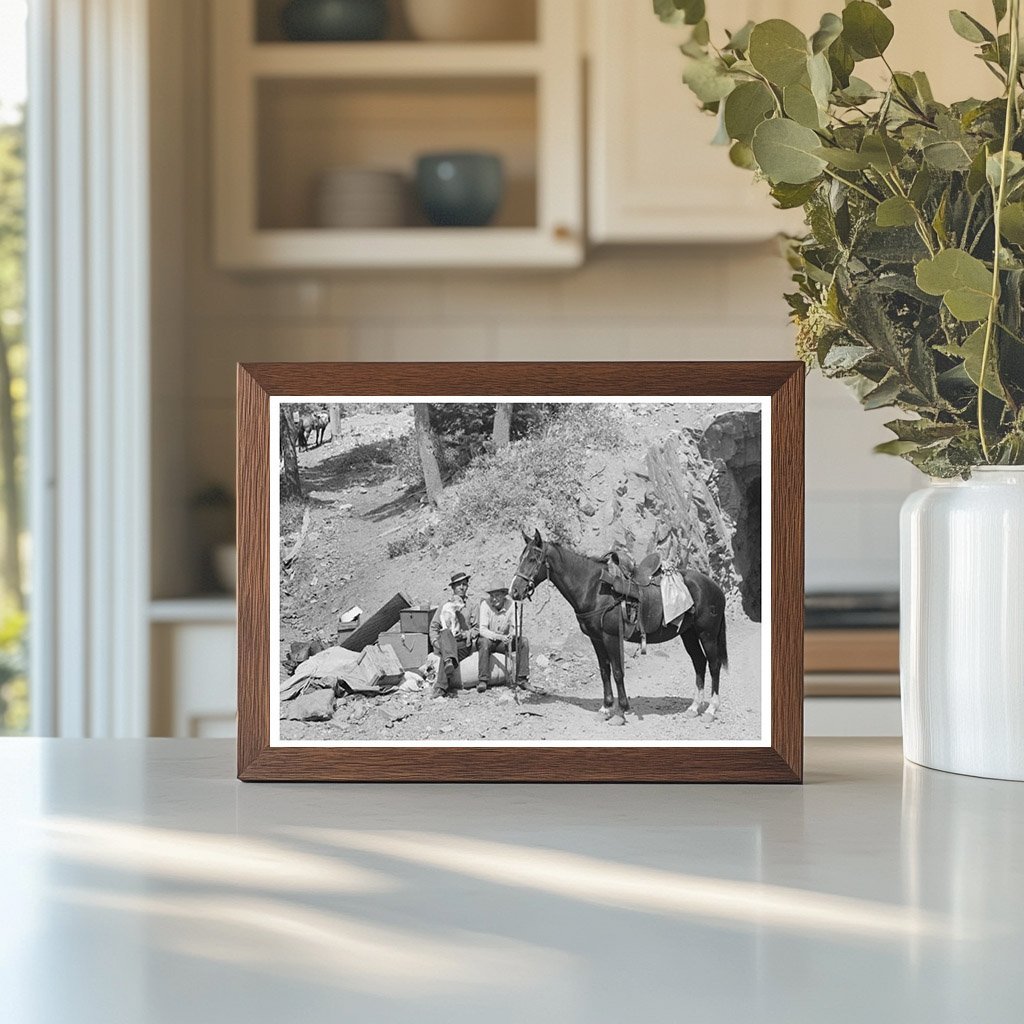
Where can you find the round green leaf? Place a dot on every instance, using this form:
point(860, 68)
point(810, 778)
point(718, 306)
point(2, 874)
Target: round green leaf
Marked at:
point(708, 81)
point(785, 152)
point(882, 152)
point(1012, 224)
point(866, 29)
point(743, 156)
point(800, 105)
point(947, 156)
point(841, 61)
point(895, 212)
point(820, 76)
point(844, 159)
point(747, 106)
point(830, 29)
point(968, 28)
point(972, 352)
point(961, 279)
point(740, 39)
point(779, 51)
point(674, 12)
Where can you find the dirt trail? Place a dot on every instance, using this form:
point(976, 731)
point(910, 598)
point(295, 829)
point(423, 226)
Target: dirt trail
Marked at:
point(357, 506)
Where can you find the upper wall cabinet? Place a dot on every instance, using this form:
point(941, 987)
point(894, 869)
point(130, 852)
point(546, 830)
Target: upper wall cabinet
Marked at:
point(653, 174)
point(316, 143)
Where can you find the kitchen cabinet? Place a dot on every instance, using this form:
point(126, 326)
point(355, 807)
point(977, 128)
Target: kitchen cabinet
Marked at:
point(287, 113)
point(653, 175)
point(193, 670)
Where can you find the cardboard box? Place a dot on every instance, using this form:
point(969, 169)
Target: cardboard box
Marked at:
point(381, 662)
point(411, 648)
point(416, 620)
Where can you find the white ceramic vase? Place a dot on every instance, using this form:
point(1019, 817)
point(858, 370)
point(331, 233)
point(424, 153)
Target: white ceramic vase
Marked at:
point(962, 624)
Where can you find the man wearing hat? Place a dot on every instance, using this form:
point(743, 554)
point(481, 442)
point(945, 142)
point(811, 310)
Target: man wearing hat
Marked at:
point(497, 636)
point(452, 632)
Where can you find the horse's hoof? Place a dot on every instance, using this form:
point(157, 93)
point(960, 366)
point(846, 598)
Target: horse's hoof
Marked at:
point(691, 712)
point(708, 717)
point(605, 712)
point(617, 720)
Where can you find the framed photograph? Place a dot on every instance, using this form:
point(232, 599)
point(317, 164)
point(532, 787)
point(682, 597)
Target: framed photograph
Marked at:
point(586, 572)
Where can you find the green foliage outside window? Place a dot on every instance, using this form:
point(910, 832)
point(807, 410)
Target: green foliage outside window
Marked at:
point(13, 411)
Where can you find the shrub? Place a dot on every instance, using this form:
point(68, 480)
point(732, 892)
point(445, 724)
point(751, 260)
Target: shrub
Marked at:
point(536, 480)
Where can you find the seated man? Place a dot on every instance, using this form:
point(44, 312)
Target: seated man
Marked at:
point(452, 633)
point(497, 636)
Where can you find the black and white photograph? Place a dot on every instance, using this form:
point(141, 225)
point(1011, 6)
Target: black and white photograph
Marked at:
point(565, 572)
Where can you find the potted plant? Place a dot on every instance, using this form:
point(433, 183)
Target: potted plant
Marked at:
point(909, 285)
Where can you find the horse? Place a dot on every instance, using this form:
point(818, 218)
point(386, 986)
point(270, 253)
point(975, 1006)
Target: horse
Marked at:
point(578, 579)
point(320, 421)
point(303, 429)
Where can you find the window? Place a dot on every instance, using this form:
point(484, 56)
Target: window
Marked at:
point(14, 694)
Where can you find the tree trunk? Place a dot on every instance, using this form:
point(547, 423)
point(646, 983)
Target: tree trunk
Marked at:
point(11, 490)
point(427, 444)
point(291, 485)
point(502, 424)
point(334, 411)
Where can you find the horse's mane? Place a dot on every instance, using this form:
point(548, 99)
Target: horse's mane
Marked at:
point(599, 559)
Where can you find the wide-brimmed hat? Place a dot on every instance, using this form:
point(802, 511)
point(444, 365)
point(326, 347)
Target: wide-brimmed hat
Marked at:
point(457, 578)
point(498, 588)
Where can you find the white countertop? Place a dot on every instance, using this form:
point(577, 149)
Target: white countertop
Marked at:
point(143, 885)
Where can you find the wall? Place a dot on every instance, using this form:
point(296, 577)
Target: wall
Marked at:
point(665, 303)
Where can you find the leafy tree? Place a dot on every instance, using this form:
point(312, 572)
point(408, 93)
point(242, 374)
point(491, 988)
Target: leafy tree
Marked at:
point(291, 484)
point(14, 706)
point(426, 443)
point(502, 432)
point(12, 350)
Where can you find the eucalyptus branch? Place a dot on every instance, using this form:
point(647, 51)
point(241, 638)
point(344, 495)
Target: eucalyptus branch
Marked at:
point(923, 227)
point(853, 185)
point(1000, 199)
point(981, 231)
point(771, 89)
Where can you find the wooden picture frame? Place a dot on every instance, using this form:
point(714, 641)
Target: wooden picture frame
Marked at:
point(780, 759)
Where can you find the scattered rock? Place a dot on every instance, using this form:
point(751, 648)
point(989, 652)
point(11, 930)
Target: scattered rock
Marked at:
point(315, 706)
point(543, 661)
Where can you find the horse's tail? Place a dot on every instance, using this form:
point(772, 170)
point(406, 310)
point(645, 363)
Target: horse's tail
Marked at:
point(723, 650)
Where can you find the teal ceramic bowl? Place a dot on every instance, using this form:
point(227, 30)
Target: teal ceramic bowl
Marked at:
point(334, 21)
point(460, 190)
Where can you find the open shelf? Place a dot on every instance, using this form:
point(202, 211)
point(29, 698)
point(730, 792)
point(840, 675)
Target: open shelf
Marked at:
point(287, 113)
point(520, 17)
point(308, 127)
point(393, 60)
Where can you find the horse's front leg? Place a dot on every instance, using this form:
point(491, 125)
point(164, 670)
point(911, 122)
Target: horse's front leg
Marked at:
point(606, 675)
point(621, 707)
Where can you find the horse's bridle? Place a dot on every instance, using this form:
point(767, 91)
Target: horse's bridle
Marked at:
point(531, 585)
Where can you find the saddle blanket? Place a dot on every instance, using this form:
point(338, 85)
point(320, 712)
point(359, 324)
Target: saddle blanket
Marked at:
point(675, 597)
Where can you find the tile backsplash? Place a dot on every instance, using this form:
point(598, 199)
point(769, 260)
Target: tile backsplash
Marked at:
point(720, 302)
point(700, 302)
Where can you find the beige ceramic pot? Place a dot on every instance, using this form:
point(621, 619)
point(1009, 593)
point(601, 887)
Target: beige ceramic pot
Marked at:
point(471, 20)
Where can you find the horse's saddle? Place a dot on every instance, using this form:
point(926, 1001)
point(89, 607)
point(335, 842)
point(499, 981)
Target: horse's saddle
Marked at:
point(637, 585)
